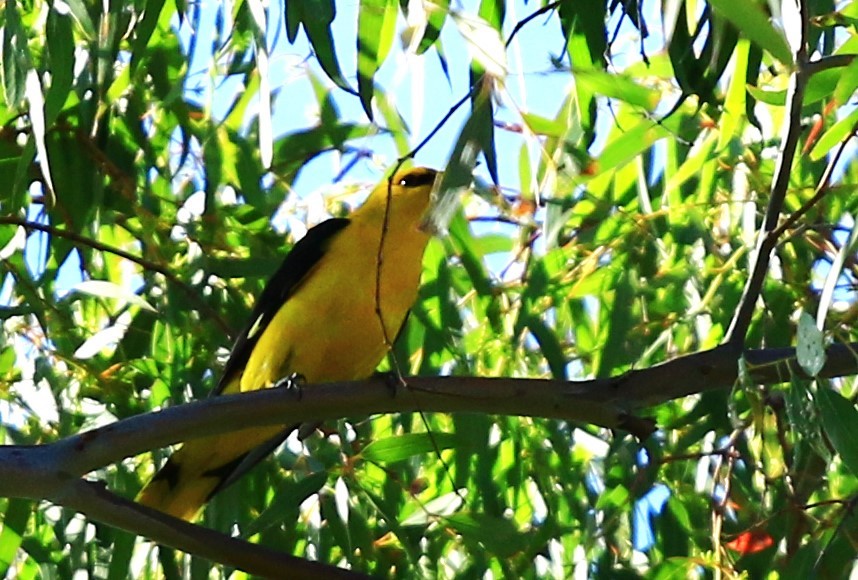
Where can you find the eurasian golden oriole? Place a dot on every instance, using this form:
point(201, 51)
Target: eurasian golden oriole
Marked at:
point(316, 318)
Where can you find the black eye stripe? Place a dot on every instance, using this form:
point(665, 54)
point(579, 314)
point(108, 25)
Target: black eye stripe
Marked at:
point(417, 179)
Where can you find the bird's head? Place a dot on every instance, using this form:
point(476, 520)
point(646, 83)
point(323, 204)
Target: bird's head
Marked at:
point(408, 192)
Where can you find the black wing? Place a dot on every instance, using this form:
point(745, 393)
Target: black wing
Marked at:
point(297, 264)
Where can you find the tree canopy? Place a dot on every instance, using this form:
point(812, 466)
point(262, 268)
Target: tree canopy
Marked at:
point(633, 352)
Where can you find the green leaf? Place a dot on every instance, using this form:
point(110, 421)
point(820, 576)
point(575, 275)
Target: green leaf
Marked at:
point(443, 505)
point(484, 44)
point(768, 96)
point(819, 87)
point(120, 555)
point(615, 352)
point(14, 523)
point(692, 166)
point(400, 447)
point(80, 12)
point(584, 29)
point(631, 143)
point(751, 21)
point(734, 105)
point(286, 503)
point(394, 123)
point(840, 421)
point(543, 126)
point(7, 360)
point(619, 86)
point(104, 289)
point(334, 520)
point(493, 12)
point(482, 122)
point(15, 56)
point(436, 16)
point(810, 348)
point(292, 151)
point(376, 30)
point(459, 171)
point(617, 497)
point(61, 50)
point(317, 18)
point(36, 112)
point(292, 15)
point(498, 535)
point(835, 135)
point(847, 84)
point(146, 27)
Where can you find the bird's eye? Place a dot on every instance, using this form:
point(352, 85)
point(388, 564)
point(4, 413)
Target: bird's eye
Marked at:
point(417, 178)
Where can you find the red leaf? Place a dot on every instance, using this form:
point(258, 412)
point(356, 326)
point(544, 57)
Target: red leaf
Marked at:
point(751, 542)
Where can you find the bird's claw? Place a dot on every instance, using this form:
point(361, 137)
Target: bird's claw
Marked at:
point(392, 380)
point(294, 382)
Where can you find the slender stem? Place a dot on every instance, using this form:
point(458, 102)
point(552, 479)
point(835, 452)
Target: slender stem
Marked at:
point(144, 263)
point(828, 62)
point(765, 242)
point(821, 190)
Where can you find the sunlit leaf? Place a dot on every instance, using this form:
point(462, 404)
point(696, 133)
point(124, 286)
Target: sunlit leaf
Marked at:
point(404, 446)
point(376, 29)
point(810, 348)
point(749, 18)
point(104, 289)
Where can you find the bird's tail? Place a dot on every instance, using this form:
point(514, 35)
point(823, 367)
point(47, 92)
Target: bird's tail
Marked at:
point(203, 467)
point(183, 485)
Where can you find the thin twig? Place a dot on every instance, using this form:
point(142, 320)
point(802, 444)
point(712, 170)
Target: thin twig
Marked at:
point(828, 62)
point(438, 126)
point(386, 219)
point(821, 190)
point(144, 263)
point(474, 88)
point(547, 8)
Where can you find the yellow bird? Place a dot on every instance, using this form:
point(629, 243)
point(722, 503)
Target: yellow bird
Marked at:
point(315, 318)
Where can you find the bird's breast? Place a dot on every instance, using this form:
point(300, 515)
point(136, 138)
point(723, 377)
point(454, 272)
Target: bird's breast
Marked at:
point(329, 329)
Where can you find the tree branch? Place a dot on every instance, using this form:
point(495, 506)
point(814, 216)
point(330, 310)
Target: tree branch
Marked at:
point(606, 402)
point(765, 241)
point(53, 471)
point(822, 189)
point(98, 504)
point(829, 62)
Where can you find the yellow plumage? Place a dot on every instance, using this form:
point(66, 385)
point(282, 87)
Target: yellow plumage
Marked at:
point(317, 318)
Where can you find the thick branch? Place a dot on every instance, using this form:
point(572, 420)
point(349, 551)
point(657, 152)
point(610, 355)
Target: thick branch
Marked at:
point(53, 471)
point(604, 402)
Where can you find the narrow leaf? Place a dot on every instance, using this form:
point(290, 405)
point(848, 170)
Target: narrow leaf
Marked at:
point(317, 20)
point(840, 421)
point(835, 135)
point(406, 446)
point(751, 21)
point(376, 29)
point(104, 289)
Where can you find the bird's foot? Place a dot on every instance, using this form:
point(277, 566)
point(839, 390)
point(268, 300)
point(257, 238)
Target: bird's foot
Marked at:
point(392, 380)
point(294, 382)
